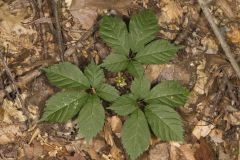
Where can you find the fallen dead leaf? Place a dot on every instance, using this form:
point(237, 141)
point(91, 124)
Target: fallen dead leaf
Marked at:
point(33, 151)
point(11, 111)
point(233, 118)
point(201, 78)
point(210, 45)
point(116, 124)
point(167, 72)
point(9, 134)
point(86, 10)
point(187, 152)
point(216, 135)
point(99, 144)
point(159, 152)
point(234, 35)
point(172, 11)
point(202, 129)
point(204, 152)
point(227, 9)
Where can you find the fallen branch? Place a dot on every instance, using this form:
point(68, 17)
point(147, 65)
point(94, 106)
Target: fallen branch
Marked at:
point(219, 36)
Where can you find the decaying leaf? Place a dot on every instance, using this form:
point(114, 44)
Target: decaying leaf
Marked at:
point(11, 112)
point(9, 134)
point(202, 129)
point(234, 35)
point(86, 11)
point(167, 72)
point(159, 152)
point(201, 78)
point(227, 9)
point(216, 135)
point(187, 152)
point(204, 151)
point(210, 45)
point(116, 124)
point(172, 11)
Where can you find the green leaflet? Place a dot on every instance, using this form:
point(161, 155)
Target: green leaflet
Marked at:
point(66, 75)
point(94, 74)
point(168, 93)
point(141, 87)
point(157, 52)
point(124, 105)
point(107, 92)
point(115, 62)
point(91, 117)
point(164, 122)
point(135, 134)
point(135, 69)
point(62, 106)
point(114, 32)
point(143, 29)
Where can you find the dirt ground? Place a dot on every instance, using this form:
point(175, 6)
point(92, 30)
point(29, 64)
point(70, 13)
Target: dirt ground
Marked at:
point(33, 37)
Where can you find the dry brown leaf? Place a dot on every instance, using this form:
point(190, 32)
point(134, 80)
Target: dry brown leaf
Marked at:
point(86, 10)
point(227, 9)
point(187, 152)
point(233, 118)
point(204, 152)
point(9, 133)
point(159, 152)
point(201, 78)
point(167, 72)
point(234, 35)
point(33, 152)
point(116, 124)
point(202, 129)
point(11, 111)
point(216, 135)
point(210, 45)
point(171, 12)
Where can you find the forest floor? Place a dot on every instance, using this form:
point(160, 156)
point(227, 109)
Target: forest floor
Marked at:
point(29, 41)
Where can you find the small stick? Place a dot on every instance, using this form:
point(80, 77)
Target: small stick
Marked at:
point(219, 36)
point(11, 77)
point(58, 28)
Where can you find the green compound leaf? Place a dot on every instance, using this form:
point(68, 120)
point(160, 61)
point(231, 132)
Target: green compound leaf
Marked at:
point(143, 29)
point(94, 74)
point(124, 105)
point(157, 52)
point(107, 92)
point(114, 32)
point(141, 87)
point(91, 117)
point(136, 134)
point(62, 106)
point(66, 75)
point(115, 62)
point(164, 122)
point(135, 69)
point(169, 93)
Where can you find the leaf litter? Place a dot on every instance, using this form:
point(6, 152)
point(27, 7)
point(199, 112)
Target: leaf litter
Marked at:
point(205, 75)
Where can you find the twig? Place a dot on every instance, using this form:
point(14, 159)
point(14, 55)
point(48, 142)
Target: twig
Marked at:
point(58, 27)
point(21, 82)
point(219, 36)
point(11, 77)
